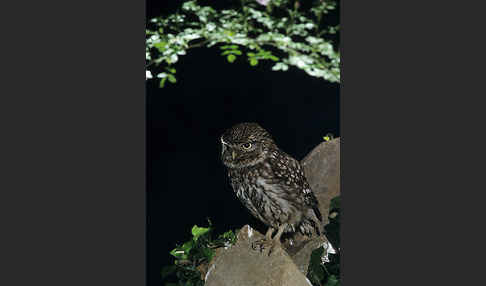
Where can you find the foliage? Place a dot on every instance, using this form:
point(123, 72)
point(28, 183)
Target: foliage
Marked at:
point(324, 263)
point(193, 253)
point(323, 269)
point(275, 30)
point(328, 137)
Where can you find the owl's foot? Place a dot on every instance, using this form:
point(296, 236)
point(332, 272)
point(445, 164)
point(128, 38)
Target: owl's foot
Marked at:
point(265, 243)
point(269, 245)
point(266, 246)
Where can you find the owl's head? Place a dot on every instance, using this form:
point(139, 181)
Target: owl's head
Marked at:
point(245, 144)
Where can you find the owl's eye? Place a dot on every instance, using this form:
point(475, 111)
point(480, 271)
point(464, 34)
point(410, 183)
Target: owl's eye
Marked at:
point(246, 146)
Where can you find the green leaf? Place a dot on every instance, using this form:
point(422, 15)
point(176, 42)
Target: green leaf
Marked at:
point(328, 137)
point(280, 66)
point(231, 58)
point(208, 253)
point(229, 47)
point(336, 203)
point(229, 235)
point(182, 252)
point(160, 46)
point(253, 62)
point(162, 82)
point(177, 253)
point(198, 231)
point(274, 58)
point(171, 78)
point(228, 52)
point(187, 246)
point(158, 61)
point(332, 281)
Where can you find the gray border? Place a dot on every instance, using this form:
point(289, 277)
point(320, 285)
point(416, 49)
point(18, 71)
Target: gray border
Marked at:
point(73, 145)
point(405, 139)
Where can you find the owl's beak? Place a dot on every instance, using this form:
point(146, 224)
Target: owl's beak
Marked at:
point(233, 154)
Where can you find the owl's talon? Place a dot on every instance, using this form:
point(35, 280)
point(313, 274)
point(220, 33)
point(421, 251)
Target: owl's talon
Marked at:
point(259, 244)
point(265, 246)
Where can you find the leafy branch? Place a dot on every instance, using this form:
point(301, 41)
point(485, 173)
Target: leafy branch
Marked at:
point(192, 254)
point(324, 265)
point(275, 30)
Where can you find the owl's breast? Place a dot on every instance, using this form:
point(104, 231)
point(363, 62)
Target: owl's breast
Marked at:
point(266, 199)
point(248, 192)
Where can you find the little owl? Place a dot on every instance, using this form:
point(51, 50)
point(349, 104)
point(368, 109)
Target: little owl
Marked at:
point(270, 183)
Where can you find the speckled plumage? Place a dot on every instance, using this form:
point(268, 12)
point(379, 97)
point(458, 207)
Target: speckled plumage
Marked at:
point(270, 183)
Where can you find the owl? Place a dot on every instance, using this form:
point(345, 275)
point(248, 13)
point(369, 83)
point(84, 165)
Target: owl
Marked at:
point(270, 183)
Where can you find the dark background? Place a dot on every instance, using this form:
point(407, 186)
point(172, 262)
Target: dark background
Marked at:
point(186, 181)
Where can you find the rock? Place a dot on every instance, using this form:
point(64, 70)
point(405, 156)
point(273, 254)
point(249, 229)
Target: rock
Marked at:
point(241, 265)
point(322, 168)
point(302, 250)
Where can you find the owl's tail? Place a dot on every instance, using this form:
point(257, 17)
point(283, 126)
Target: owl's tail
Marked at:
point(317, 213)
point(312, 222)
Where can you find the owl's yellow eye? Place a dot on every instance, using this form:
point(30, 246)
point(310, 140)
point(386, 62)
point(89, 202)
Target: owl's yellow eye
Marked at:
point(246, 146)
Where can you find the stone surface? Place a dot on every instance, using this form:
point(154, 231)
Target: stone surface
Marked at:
point(322, 169)
point(302, 250)
point(241, 265)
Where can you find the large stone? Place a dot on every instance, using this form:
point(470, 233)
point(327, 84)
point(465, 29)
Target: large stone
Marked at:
point(322, 168)
point(301, 250)
point(243, 266)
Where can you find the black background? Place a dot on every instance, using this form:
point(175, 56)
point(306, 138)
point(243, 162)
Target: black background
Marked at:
point(186, 181)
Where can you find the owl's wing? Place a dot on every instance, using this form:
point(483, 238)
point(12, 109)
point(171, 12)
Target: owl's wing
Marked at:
point(291, 174)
